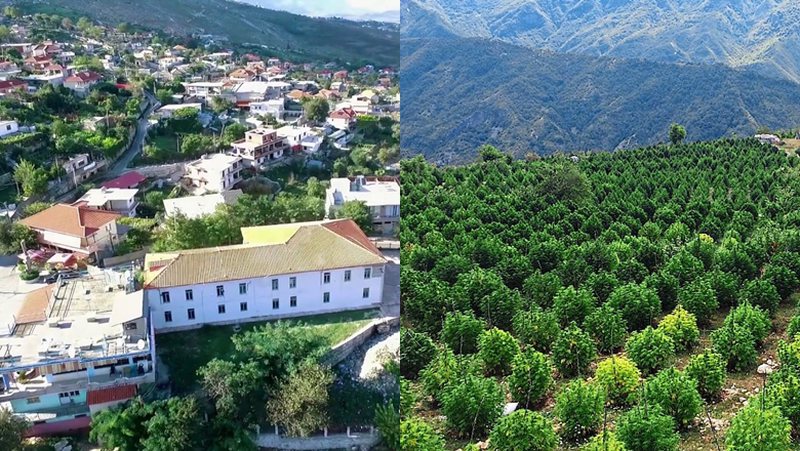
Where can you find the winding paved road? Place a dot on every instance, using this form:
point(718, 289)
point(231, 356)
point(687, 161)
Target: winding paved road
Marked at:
point(119, 166)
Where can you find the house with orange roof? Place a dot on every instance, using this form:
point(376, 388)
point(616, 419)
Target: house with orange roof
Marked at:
point(76, 228)
point(81, 82)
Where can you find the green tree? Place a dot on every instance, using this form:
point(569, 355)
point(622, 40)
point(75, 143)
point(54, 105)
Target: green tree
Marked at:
point(32, 179)
point(122, 427)
point(531, 377)
point(579, 407)
point(681, 327)
point(299, 406)
point(651, 349)
point(473, 405)
point(460, 332)
point(536, 328)
point(638, 304)
point(571, 305)
point(316, 110)
point(607, 327)
point(416, 351)
point(358, 212)
point(12, 428)
point(12, 12)
point(497, 349)
point(753, 428)
point(573, 351)
point(677, 133)
point(647, 429)
point(417, 434)
point(619, 376)
point(176, 425)
point(676, 394)
point(523, 430)
point(708, 370)
point(220, 104)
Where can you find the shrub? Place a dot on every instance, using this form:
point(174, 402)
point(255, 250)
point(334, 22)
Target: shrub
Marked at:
point(460, 332)
point(542, 288)
point(651, 349)
point(606, 441)
point(666, 285)
point(736, 345)
point(789, 355)
point(643, 429)
point(442, 370)
point(416, 351)
point(497, 349)
point(387, 419)
point(27, 275)
point(473, 404)
point(607, 327)
point(523, 430)
point(708, 370)
point(754, 318)
point(676, 394)
point(619, 377)
point(531, 378)
point(794, 327)
point(761, 293)
point(699, 299)
point(536, 328)
point(783, 278)
point(407, 398)
point(573, 351)
point(681, 327)
point(783, 392)
point(579, 407)
point(499, 307)
point(571, 305)
point(417, 434)
point(753, 428)
point(638, 304)
point(725, 285)
point(602, 284)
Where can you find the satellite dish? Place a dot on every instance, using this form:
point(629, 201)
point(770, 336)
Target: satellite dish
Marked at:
point(140, 345)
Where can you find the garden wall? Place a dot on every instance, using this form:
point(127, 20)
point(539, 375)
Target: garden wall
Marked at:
point(341, 350)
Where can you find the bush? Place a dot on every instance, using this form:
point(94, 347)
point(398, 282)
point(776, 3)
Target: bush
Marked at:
point(619, 377)
point(27, 275)
point(536, 328)
point(523, 430)
point(666, 285)
point(736, 345)
point(754, 318)
point(472, 405)
point(442, 370)
point(407, 398)
point(573, 351)
point(606, 441)
point(676, 394)
point(643, 429)
point(387, 419)
point(783, 392)
point(542, 288)
point(531, 378)
point(497, 348)
point(637, 303)
point(753, 428)
point(699, 299)
point(783, 278)
point(681, 327)
point(794, 327)
point(571, 305)
point(651, 350)
point(789, 356)
point(607, 327)
point(725, 285)
point(460, 332)
point(708, 370)
point(579, 407)
point(416, 434)
point(761, 293)
point(416, 351)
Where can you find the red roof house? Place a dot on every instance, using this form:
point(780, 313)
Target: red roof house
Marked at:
point(129, 180)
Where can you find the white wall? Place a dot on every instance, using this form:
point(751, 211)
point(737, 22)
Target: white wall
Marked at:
point(259, 296)
point(59, 239)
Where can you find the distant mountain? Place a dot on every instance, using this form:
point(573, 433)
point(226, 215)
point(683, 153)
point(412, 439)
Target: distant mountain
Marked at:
point(318, 38)
point(761, 34)
point(461, 93)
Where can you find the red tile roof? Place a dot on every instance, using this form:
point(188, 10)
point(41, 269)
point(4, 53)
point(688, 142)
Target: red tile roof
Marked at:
point(127, 180)
point(110, 394)
point(344, 113)
point(348, 229)
point(70, 220)
point(84, 77)
point(59, 427)
point(13, 83)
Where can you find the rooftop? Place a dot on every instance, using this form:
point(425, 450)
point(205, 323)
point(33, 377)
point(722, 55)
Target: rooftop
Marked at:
point(70, 220)
point(215, 162)
point(374, 191)
point(132, 178)
point(98, 197)
point(268, 250)
point(196, 206)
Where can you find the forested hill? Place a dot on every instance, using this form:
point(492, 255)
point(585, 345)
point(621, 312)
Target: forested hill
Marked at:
point(316, 38)
point(635, 292)
point(759, 34)
point(462, 93)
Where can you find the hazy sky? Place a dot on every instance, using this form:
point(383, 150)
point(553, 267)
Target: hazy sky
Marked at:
point(346, 8)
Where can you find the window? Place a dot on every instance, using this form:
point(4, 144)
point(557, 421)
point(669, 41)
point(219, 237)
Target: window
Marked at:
point(242, 288)
point(189, 295)
point(165, 297)
point(190, 313)
point(221, 309)
point(293, 301)
point(274, 284)
point(168, 316)
point(69, 394)
point(220, 290)
point(130, 326)
point(292, 282)
point(326, 297)
point(243, 306)
point(34, 400)
point(367, 273)
point(365, 293)
point(347, 275)
point(326, 277)
point(276, 303)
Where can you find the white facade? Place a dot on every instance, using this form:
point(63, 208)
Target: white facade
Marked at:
point(8, 128)
point(380, 194)
point(273, 107)
point(214, 173)
point(255, 299)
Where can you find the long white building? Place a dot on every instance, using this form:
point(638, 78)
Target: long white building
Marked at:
point(280, 271)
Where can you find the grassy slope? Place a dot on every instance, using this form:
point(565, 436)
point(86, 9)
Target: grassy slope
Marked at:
point(241, 23)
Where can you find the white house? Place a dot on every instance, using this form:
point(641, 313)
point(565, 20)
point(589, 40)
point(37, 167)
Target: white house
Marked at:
point(213, 173)
point(274, 107)
point(71, 228)
point(259, 146)
point(342, 119)
point(380, 194)
point(280, 271)
point(198, 206)
point(301, 138)
point(119, 200)
point(8, 128)
point(204, 89)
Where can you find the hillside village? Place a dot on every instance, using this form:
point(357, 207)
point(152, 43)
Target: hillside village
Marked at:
point(161, 191)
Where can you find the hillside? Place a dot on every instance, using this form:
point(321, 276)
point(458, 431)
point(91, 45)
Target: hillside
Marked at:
point(639, 292)
point(325, 39)
point(763, 35)
point(462, 93)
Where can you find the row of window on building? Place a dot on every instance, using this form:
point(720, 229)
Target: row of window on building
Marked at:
point(326, 278)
